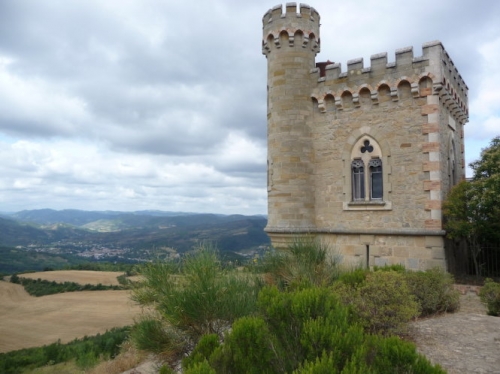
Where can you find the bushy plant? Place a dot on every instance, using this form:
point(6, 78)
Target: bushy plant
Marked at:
point(152, 334)
point(203, 350)
point(353, 278)
point(383, 302)
point(305, 262)
point(394, 267)
point(247, 349)
point(434, 291)
point(197, 296)
point(307, 331)
point(490, 296)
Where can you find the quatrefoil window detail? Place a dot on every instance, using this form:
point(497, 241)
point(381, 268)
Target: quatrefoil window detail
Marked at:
point(367, 147)
point(367, 171)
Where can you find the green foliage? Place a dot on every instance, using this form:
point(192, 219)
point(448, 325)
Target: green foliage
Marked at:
point(197, 296)
point(490, 296)
point(13, 260)
point(200, 368)
point(383, 303)
point(472, 208)
point(353, 278)
point(153, 335)
point(434, 291)
point(489, 164)
point(86, 352)
point(41, 287)
point(15, 279)
point(202, 352)
point(309, 332)
point(394, 267)
point(246, 349)
point(305, 262)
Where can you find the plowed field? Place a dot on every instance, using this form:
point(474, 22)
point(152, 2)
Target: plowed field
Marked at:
point(27, 321)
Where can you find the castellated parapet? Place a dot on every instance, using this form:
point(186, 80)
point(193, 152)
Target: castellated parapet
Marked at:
point(361, 157)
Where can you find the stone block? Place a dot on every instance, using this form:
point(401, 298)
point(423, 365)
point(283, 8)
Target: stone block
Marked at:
point(380, 251)
point(431, 165)
point(432, 185)
point(434, 241)
point(428, 128)
point(367, 239)
point(438, 253)
point(433, 204)
point(402, 252)
point(429, 109)
point(433, 224)
point(380, 261)
point(430, 147)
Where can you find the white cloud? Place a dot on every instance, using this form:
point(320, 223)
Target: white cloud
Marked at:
point(127, 104)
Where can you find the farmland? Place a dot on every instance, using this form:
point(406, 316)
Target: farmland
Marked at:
point(34, 321)
point(107, 278)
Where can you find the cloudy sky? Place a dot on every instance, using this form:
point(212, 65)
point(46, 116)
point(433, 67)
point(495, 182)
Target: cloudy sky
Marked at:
point(160, 104)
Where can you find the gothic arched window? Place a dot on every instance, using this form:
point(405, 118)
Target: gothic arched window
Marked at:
point(366, 171)
point(358, 180)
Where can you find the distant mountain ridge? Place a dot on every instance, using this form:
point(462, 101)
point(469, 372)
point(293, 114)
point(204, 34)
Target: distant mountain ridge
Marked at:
point(80, 217)
point(138, 235)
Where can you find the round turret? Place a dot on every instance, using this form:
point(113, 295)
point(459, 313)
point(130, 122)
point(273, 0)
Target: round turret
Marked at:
point(290, 44)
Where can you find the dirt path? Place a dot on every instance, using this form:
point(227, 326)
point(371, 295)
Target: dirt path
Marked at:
point(464, 342)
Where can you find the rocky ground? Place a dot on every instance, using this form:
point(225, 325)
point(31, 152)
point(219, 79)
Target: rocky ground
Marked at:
point(464, 342)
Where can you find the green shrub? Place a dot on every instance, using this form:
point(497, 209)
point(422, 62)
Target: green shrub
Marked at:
point(200, 368)
point(153, 335)
point(197, 296)
point(395, 267)
point(203, 350)
point(354, 278)
point(376, 355)
point(382, 303)
point(304, 263)
point(434, 291)
point(309, 332)
point(247, 349)
point(490, 296)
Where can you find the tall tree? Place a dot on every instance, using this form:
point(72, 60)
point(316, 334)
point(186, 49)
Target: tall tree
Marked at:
point(472, 209)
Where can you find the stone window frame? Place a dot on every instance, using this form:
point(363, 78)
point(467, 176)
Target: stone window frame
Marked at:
point(379, 156)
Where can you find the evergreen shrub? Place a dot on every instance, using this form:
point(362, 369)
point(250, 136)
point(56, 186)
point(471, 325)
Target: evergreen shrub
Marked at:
point(383, 302)
point(304, 263)
point(305, 331)
point(490, 296)
point(153, 335)
point(434, 291)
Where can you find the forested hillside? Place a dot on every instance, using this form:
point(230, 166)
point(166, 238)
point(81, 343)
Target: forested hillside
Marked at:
point(123, 237)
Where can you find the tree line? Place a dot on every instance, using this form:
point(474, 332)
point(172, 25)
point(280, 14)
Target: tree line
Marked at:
point(41, 287)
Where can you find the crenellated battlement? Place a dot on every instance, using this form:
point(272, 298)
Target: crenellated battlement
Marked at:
point(361, 158)
point(276, 12)
point(282, 28)
point(445, 79)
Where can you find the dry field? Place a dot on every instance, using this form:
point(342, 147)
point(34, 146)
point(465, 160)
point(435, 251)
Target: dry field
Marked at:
point(107, 278)
point(27, 321)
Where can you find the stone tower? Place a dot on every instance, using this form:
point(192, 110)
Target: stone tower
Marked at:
point(361, 158)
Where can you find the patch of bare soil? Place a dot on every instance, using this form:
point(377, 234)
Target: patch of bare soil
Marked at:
point(27, 321)
point(464, 342)
point(107, 278)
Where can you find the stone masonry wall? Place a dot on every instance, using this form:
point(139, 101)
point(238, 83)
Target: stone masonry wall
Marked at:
point(412, 110)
